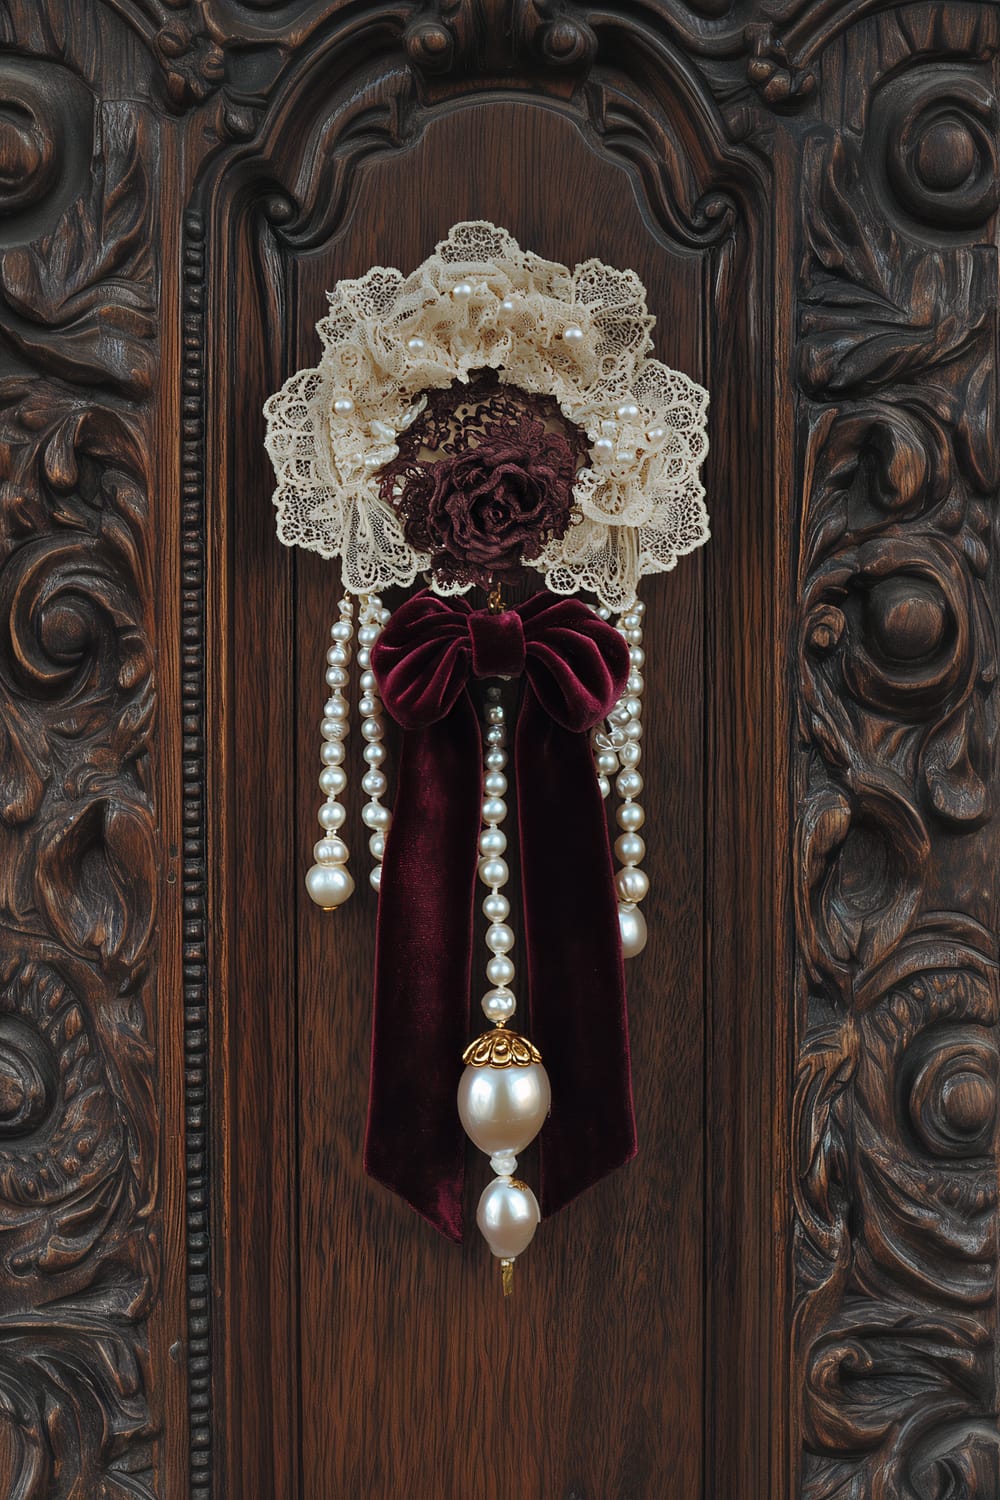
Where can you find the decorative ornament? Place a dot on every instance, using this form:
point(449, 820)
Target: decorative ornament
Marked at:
point(492, 413)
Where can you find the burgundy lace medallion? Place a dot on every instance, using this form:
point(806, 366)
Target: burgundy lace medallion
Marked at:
point(484, 478)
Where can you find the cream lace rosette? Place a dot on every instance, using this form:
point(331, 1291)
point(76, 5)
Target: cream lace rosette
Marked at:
point(480, 302)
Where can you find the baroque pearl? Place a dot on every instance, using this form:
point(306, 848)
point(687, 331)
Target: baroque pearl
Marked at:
point(375, 816)
point(503, 1109)
point(631, 884)
point(330, 852)
point(507, 1216)
point(332, 780)
point(329, 885)
point(632, 925)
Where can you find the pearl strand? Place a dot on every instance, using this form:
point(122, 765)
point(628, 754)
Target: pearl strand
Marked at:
point(498, 1003)
point(374, 782)
point(625, 726)
point(328, 881)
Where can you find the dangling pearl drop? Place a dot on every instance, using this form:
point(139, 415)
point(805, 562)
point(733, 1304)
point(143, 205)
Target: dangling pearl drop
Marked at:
point(504, 1093)
point(328, 881)
point(377, 819)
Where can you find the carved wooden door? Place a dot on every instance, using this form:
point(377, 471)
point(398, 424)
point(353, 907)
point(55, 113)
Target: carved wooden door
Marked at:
point(792, 1291)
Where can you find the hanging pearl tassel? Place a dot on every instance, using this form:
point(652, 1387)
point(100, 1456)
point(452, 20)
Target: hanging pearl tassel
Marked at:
point(328, 881)
point(504, 1094)
point(372, 619)
point(625, 733)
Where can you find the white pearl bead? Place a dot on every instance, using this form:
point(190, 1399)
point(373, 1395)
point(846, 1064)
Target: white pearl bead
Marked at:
point(495, 713)
point(573, 334)
point(383, 431)
point(629, 783)
point(374, 783)
point(415, 345)
point(372, 728)
point(637, 656)
point(494, 871)
point(492, 842)
point(496, 758)
point(656, 433)
point(333, 671)
point(495, 783)
point(632, 925)
point(330, 852)
point(340, 677)
point(496, 735)
point(343, 406)
point(607, 762)
point(604, 450)
point(342, 631)
point(630, 754)
point(630, 848)
point(338, 707)
point(499, 937)
point(369, 634)
point(375, 877)
point(634, 706)
point(508, 304)
point(332, 781)
point(500, 970)
point(631, 817)
point(461, 289)
point(507, 1217)
point(329, 885)
point(374, 753)
point(332, 753)
point(631, 621)
point(638, 606)
point(364, 658)
point(367, 682)
point(503, 1109)
point(374, 815)
point(376, 845)
point(331, 815)
point(368, 704)
point(494, 810)
point(504, 1163)
point(498, 1005)
point(604, 786)
point(619, 715)
point(634, 637)
point(331, 728)
point(635, 683)
point(496, 907)
point(628, 410)
point(631, 884)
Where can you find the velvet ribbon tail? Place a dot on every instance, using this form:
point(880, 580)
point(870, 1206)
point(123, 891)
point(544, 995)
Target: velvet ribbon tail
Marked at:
point(415, 1144)
point(575, 973)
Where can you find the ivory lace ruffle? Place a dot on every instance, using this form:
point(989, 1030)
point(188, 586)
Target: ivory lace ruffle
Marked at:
point(388, 337)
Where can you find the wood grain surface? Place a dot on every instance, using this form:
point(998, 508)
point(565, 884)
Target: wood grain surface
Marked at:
point(791, 1293)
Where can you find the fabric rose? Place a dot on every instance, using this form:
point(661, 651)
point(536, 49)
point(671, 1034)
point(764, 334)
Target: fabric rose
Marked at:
point(503, 491)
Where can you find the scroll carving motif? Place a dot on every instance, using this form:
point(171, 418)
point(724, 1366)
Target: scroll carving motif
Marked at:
point(895, 1112)
point(78, 861)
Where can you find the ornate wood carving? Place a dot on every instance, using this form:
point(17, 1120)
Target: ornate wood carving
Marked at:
point(886, 267)
point(895, 1118)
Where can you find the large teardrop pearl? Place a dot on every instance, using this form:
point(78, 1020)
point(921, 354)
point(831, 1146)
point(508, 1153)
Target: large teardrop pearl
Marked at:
point(507, 1216)
point(503, 1109)
point(633, 930)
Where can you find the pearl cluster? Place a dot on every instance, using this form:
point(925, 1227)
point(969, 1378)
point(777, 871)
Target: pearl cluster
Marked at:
point(376, 817)
point(617, 753)
point(498, 1003)
point(329, 882)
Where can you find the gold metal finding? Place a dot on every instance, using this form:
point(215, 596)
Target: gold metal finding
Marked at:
point(507, 1270)
point(494, 602)
point(501, 1048)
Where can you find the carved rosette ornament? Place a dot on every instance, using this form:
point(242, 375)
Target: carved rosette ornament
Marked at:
point(488, 414)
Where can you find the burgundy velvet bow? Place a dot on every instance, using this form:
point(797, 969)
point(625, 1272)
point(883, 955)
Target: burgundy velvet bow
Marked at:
point(570, 985)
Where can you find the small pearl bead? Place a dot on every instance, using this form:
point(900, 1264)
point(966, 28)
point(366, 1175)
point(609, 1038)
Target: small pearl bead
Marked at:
point(375, 877)
point(374, 753)
point(495, 783)
point(496, 759)
point(633, 729)
point(630, 848)
point(626, 455)
point(631, 884)
point(632, 926)
point(372, 729)
point(633, 706)
point(376, 846)
point(656, 433)
point(492, 842)
point(500, 970)
point(495, 713)
point(342, 631)
point(337, 656)
point(628, 410)
point(332, 780)
point(629, 784)
point(461, 289)
point(617, 738)
point(330, 852)
point(604, 786)
point(508, 304)
point(496, 735)
point(332, 753)
point(343, 406)
point(604, 450)
point(367, 682)
point(635, 684)
point(494, 810)
point(374, 783)
point(639, 606)
point(619, 714)
point(507, 1217)
point(634, 637)
point(369, 634)
point(364, 658)
point(498, 1005)
point(607, 763)
point(630, 754)
point(637, 656)
point(496, 907)
point(368, 705)
point(604, 612)
point(415, 345)
point(339, 707)
point(331, 815)
point(504, 1163)
point(329, 885)
point(346, 606)
point(383, 431)
point(494, 871)
point(631, 817)
point(499, 937)
point(573, 334)
point(340, 676)
point(374, 815)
